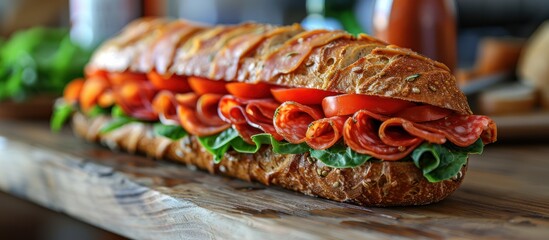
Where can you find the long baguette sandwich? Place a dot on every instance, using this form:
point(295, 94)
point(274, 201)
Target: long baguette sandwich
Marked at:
point(324, 113)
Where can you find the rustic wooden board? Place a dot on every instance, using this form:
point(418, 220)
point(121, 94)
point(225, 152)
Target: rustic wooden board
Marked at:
point(505, 195)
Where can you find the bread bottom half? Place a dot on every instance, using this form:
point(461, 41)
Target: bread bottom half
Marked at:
point(375, 183)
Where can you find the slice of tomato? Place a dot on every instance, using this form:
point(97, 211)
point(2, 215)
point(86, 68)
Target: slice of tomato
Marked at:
point(249, 90)
point(72, 90)
point(347, 104)
point(90, 72)
point(424, 113)
point(118, 78)
point(307, 96)
point(174, 83)
point(202, 86)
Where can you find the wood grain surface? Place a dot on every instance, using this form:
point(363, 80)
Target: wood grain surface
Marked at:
point(505, 196)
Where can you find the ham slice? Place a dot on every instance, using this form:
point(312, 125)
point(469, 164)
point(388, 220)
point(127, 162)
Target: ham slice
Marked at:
point(292, 120)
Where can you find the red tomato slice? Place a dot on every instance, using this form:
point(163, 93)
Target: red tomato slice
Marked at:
point(249, 90)
point(347, 104)
point(90, 72)
point(202, 85)
point(118, 78)
point(424, 113)
point(305, 96)
point(72, 90)
point(174, 83)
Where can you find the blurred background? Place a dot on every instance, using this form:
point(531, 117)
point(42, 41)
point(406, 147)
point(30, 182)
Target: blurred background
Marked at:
point(498, 50)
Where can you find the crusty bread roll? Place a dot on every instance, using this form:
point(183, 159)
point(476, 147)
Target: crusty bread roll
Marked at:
point(375, 183)
point(291, 57)
point(337, 61)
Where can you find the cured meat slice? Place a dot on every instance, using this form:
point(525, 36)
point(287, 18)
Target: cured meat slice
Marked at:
point(400, 132)
point(260, 114)
point(190, 122)
point(257, 113)
point(292, 119)
point(135, 99)
point(206, 109)
point(91, 90)
point(325, 132)
point(361, 134)
point(463, 130)
point(165, 105)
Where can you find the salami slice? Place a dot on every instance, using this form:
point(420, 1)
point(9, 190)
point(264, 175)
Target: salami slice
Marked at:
point(206, 109)
point(325, 132)
point(392, 133)
point(190, 122)
point(257, 113)
point(135, 99)
point(361, 134)
point(463, 130)
point(165, 105)
point(292, 119)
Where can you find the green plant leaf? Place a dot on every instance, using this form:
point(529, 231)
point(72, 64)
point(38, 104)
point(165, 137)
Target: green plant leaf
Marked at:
point(61, 113)
point(441, 162)
point(173, 132)
point(115, 123)
point(340, 156)
point(218, 144)
point(279, 147)
point(117, 111)
point(96, 111)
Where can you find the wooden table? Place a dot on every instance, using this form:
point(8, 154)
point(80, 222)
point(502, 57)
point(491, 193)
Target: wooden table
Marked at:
point(505, 195)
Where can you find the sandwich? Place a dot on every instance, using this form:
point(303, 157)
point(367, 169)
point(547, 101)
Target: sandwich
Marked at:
point(325, 113)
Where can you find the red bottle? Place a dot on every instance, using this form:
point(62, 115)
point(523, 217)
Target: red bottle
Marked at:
point(425, 26)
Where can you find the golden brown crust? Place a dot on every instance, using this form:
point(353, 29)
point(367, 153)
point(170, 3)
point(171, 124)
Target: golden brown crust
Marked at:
point(375, 183)
point(333, 61)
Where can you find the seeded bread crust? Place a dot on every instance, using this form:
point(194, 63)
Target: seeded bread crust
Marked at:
point(337, 61)
point(375, 183)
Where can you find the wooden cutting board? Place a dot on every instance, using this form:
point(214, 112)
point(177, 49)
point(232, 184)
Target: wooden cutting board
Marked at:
point(505, 196)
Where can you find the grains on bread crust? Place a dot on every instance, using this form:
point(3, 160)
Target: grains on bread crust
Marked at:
point(336, 62)
point(375, 183)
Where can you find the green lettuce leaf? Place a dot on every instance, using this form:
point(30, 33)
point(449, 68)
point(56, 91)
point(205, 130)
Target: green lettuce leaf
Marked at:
point(219, 144)
point(116, 123)
point(61, 113)
point(340, 156)
point(441, 162)
point(119, 119)
point(279, 147)
point(96, 111)
point(174, 132)
point(118, 112)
